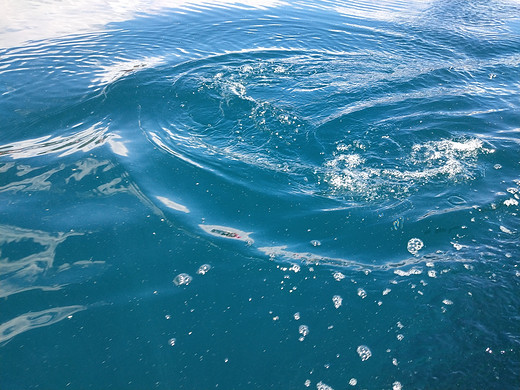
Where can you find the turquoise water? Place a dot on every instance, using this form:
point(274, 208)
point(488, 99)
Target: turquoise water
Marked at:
point(244, 195)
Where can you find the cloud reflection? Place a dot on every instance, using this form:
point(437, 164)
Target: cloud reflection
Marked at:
point(34, 268)
point(22, 21)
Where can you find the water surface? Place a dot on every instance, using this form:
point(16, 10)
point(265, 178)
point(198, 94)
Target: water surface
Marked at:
point(246, 195)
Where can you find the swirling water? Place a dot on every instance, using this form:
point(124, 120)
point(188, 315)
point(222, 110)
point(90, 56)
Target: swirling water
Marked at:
point(243, 194)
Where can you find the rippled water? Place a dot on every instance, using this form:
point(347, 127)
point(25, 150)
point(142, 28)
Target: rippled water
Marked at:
point(274, 194)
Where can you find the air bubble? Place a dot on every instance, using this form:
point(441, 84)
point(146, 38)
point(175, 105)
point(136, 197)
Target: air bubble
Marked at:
point(352, 382)
point(323, 386)
point(362, 293)
point(364, 352)
point(337, 300)
point(338, 276)
point(396, 386)
point(414, 245)
point(304, 331)
point(203, 269)
point(172, 341)
point(181, 279)
point(315, 243)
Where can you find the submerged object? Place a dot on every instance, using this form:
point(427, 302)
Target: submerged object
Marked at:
point(227, 232)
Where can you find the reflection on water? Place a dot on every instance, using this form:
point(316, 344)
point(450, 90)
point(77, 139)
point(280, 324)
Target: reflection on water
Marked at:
point(33, 320)
point(79, 141)
point(32, 20)
point(35, 269)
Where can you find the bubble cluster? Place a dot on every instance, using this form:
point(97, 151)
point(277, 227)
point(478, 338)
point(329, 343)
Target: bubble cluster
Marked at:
point(414, 245)
point(362, 293)
point(181, 279)
point(364, 352)
point(315, 243)
point(338, 276)
point(337, 300)
point(172, 341)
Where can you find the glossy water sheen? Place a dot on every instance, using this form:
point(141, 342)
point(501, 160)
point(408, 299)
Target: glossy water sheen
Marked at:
point(260, 195)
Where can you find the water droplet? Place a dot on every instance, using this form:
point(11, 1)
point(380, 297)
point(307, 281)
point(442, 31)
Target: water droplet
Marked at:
point(203, 269)
point(364, 352)
point(181, 279)
point(414, 245)
point(337, 301)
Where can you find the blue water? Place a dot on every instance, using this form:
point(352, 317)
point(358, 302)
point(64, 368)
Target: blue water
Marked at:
point(256, 195)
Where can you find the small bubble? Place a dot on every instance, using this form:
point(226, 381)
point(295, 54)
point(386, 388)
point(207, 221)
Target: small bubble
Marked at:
point(364, 352)
point(203, 269)
point(172, 341)
point(447, 302)
point(386, 291)
point(432, 273)
point(315, 243)
point(362, 293)
point(394, 362)
point(396, 386)
point(167, 316)
point(497, 166)
point(352, 382)
point(181, 279)
point(296, 316)
point(337, 300)
point(338, 276)
point(295, 268)
point(414, 245)
point(400, 337)
point(307, 383)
